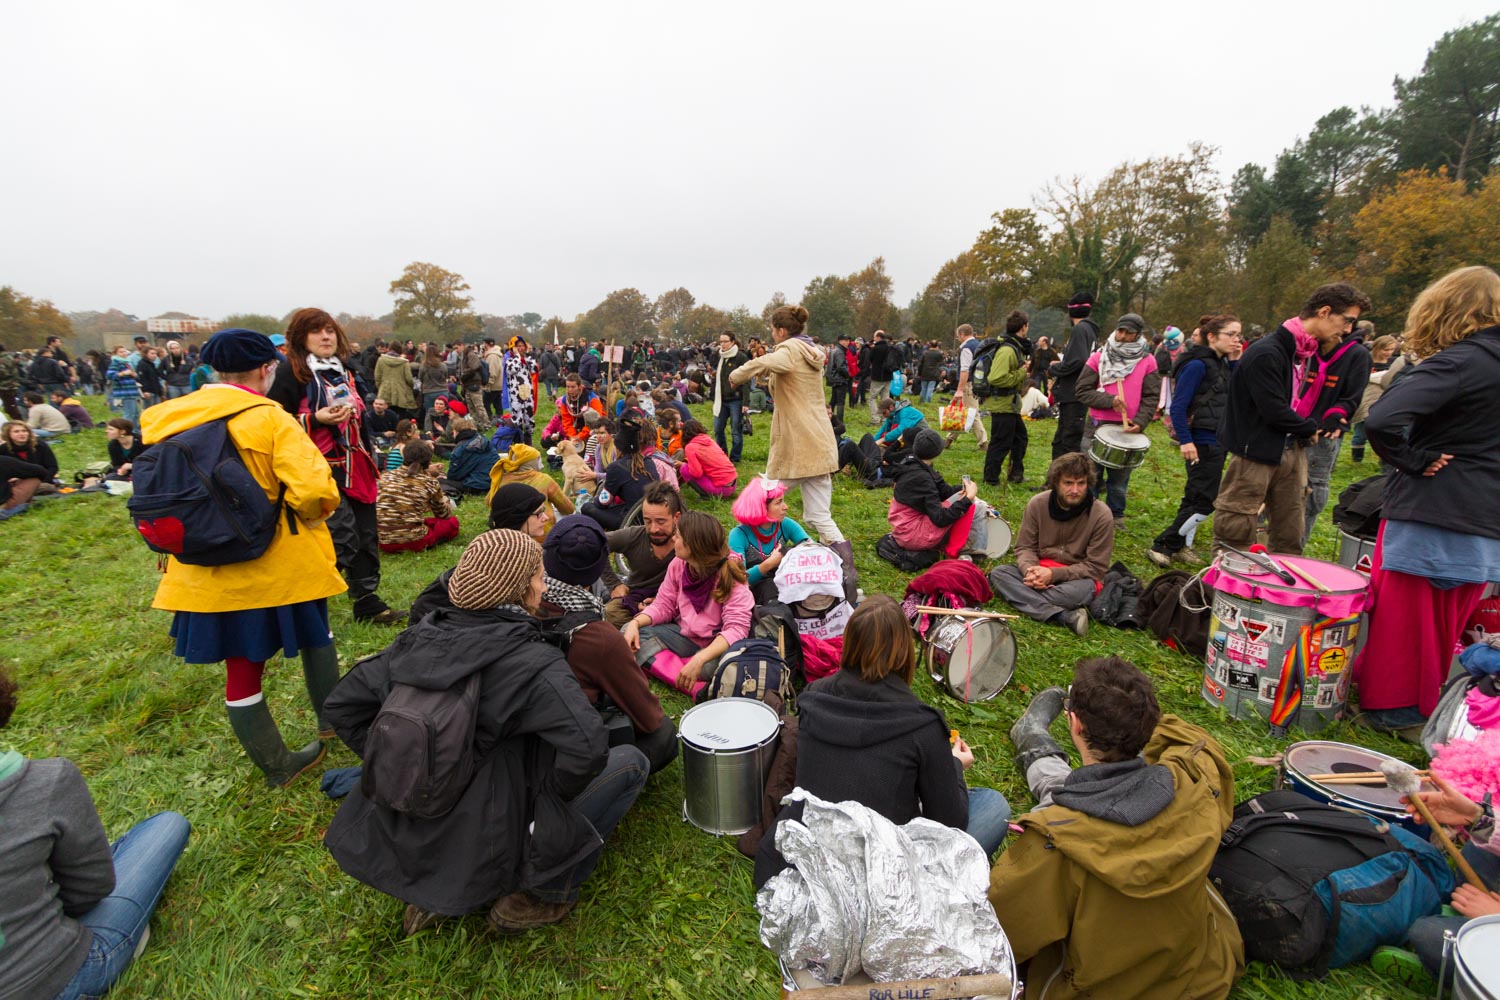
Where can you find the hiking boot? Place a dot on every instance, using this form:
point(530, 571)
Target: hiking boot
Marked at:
point(416, 919)
point(521, 911)
point(1077, 620)
point(258, 734)
point(1159, 557)
point(1357, 453)
point(1120, 522)
point(1186, 555)
point(1029, 734)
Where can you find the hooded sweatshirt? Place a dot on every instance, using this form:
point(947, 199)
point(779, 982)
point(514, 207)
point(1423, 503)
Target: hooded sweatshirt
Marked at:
point(875, 743)
point(1126, 846)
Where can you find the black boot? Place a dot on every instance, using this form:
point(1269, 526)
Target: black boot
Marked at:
point(261, 739)
point(1029, 734)
point(1358, 452)
point(320, 669)
point(845, 549)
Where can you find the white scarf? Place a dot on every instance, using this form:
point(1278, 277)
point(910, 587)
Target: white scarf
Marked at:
point(1117, 359)
point(724, 355)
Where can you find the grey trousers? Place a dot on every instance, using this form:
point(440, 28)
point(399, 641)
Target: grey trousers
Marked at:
point(1322, 454)
point(1040, 605)
point(1046, 776)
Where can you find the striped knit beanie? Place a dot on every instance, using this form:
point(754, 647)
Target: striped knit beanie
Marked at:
point(495, 569)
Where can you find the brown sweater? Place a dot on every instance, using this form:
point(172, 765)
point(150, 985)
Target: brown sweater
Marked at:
point(1084, 544)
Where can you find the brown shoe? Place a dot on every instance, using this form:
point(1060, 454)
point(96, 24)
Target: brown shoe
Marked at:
point(520, 911)
point(417, 919)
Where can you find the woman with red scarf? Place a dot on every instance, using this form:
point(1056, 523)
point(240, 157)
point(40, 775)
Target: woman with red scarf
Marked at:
point(327, 397)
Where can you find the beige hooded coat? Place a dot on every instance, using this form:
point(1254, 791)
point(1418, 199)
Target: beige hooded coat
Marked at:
point(802, 443)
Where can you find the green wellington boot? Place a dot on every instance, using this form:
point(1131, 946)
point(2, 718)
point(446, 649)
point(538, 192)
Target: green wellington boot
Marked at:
point(320, 668)
point(261, 739)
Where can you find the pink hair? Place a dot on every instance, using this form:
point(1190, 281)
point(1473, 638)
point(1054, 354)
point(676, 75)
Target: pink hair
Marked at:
point(750, 506)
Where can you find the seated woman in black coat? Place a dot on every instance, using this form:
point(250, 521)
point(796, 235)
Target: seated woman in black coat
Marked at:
point(547, 789)
point(927, 512)
point(864, 735)
point(21, 443)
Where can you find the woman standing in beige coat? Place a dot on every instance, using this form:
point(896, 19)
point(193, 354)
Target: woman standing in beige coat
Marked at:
point(803, 452)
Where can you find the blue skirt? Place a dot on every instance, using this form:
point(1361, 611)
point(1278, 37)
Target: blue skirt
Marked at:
point(257, 634)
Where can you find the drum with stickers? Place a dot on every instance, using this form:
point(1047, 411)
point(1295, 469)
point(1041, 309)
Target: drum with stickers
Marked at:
point(1283, 651)
point(1356, 552)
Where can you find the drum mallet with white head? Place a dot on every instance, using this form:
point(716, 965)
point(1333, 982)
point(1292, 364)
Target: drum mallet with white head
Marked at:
point(1402, 778)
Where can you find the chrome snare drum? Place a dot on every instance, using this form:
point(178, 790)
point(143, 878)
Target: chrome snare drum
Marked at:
point(1116, 448)
point(727, 745)
point(973, 658)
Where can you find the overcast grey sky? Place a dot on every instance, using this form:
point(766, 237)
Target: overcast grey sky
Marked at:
point(217, 158)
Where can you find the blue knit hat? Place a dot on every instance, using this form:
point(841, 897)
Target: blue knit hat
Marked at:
point(238, 350)
point(576, 550)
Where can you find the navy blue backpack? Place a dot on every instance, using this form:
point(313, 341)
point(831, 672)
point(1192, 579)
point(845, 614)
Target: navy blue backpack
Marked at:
point(195, 499)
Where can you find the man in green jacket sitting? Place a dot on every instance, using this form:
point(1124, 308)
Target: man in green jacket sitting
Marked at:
point(1106, 890)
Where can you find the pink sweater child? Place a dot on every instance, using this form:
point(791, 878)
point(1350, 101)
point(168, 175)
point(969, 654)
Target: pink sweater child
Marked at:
point(730, 619)
point(707, 469)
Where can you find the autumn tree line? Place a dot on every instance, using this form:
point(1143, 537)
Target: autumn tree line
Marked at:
point(1388, 198)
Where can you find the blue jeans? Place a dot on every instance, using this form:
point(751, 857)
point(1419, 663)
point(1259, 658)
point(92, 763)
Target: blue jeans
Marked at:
point(144, 858)
point(929, 386)
point(1114, 481)
point(1426, 935)
point(44, 434)
point(989, 815)
point(130, 409)
point(606, 799)
point(730, 413)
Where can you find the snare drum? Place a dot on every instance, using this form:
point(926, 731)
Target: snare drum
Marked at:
point(1325, 757)
point(1476, 959)
point(973, 658)
point(996, 535)
point(1116, 448)
point(1356, 553)
point(727, 745)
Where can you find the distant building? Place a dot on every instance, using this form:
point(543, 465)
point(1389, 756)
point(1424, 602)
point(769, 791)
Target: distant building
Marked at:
point(175, 327)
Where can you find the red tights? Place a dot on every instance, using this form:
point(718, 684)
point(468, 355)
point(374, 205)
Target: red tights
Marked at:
point(242, 678)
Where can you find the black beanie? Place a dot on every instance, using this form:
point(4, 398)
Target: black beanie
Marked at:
point(513, 504)
point(1081, 305)
point(576, 550)
point(928, 445)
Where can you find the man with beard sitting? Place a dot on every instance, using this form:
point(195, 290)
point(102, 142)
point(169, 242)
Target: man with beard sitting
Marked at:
point(1063, 549)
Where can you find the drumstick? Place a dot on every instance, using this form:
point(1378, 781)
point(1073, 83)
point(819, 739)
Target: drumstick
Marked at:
point(1307, 577)
point(1362, 775)
point(928, 609)
point(1402, 778)
point(995, 983)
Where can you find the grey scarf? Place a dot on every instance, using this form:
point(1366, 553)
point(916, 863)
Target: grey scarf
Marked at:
point(1117, 359)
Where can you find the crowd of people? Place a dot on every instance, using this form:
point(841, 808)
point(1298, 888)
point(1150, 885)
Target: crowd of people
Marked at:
point(596, 573)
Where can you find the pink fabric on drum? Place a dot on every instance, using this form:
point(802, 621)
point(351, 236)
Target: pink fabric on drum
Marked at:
point(1350, 590)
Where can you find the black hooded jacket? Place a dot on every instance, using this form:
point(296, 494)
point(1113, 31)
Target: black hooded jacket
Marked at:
point(921, 487)
point(875, 743)
point(538, 742)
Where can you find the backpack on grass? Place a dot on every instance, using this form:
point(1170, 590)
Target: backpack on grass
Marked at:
point(195, 499)
point(752, 668)
point(419, 754)
point(1160, 606)
point(1314, 887)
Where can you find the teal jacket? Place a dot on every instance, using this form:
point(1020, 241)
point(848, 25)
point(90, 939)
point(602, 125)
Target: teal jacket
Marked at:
point(902, 417)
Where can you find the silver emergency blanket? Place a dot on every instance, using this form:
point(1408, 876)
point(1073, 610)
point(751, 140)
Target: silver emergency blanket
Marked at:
point(898, 902)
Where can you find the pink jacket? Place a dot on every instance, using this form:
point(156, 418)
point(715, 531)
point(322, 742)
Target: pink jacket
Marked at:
point(730, 619)
point(706, 460)
point(1131, 388)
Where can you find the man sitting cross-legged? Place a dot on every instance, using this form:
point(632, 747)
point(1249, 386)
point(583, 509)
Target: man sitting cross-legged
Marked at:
point(1106, 890)
point(1063, 549)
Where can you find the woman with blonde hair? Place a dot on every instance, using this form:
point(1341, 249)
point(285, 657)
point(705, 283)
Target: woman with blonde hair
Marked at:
point(1439, 541)
point(864, 735)
point(703, 606)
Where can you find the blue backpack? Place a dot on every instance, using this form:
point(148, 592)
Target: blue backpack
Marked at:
point(195, 499)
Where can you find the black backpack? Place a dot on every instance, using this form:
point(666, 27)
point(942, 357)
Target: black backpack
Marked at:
point(979, 373)
point(1358, 509)
point(1118, 602)
point(1160, 607)
point(1314, 886)
point(419, 754)
point(752, 668)
point(195, 499)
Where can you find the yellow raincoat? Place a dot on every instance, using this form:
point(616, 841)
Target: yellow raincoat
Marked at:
point(296, 567)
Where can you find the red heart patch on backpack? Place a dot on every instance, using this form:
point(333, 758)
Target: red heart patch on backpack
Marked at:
point(164, 534)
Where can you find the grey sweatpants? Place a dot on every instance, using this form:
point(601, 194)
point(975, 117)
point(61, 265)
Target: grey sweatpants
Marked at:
point(1040, 605)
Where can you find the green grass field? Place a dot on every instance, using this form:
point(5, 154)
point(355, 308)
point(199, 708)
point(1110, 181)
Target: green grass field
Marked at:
point(257, 907)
